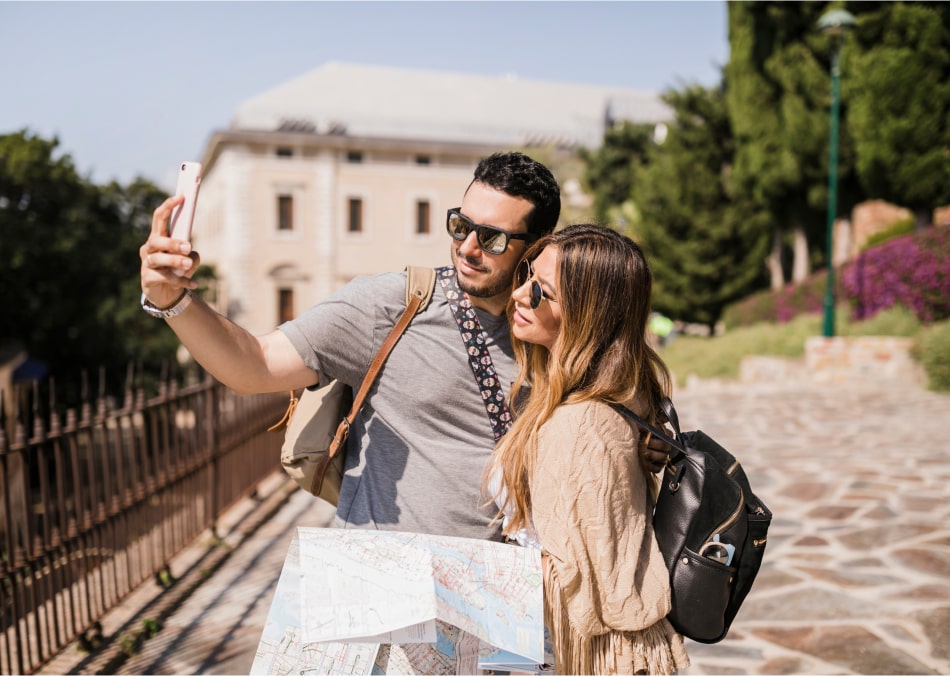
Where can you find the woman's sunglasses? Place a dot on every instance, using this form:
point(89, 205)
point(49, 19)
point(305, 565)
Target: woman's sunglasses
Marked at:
point(492, 240)
point(523, 274)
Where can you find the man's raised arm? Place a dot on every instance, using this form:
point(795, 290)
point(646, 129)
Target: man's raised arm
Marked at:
point(240, 360)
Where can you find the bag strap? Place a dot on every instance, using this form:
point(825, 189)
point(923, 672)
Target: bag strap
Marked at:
point(419, 285)
point(666, 405)
point(476, 347)
point(679, 446)
point(419, 282)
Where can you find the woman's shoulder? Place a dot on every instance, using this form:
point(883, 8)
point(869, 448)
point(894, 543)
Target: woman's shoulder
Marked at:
point(587, 441)
point(590, 418)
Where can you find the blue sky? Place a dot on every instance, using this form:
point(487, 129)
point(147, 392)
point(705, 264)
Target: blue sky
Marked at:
point(132, 88)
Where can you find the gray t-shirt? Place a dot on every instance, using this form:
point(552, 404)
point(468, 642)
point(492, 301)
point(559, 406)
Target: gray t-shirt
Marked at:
point(417, 451)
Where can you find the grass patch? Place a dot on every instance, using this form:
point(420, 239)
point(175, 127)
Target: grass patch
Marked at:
point(894, 321)
point(720, 356)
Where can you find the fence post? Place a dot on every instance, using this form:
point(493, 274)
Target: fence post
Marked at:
point(215, 392)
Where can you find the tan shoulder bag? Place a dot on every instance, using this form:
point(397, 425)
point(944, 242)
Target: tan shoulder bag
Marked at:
point(318, 423)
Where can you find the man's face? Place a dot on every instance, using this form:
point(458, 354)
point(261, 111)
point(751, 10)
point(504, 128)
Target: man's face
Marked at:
point(484, 276)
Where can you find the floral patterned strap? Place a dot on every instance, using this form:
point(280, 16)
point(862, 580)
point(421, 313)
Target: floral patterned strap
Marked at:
point(476, 346)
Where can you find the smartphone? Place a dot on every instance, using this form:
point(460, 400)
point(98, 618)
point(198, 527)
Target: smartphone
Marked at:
point(183, 216)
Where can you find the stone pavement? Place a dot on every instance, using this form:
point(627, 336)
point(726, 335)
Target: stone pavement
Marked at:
point(856, 578)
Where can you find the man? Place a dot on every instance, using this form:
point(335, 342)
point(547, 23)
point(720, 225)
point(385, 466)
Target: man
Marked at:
point(417, 451)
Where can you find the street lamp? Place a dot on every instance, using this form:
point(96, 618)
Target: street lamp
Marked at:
point(835, 23)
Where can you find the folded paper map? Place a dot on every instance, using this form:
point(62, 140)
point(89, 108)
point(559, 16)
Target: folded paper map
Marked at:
point(434, 603)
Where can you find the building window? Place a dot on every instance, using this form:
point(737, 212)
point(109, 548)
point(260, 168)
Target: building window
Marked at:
point(354, 156)
point(285, 152)
point(285, 212)
point(285, 305)
point(356, 214)
point(423, 217)
point(423, 159)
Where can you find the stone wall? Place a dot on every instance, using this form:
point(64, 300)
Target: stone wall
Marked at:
point(880, 360)
point(870, 218)
point(874, 358)
point(942, 216)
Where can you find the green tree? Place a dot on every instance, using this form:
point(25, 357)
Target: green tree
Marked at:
point(705, 247)
point(69, 266)
point(778, 101)
point(609, 175)
point(898, 84)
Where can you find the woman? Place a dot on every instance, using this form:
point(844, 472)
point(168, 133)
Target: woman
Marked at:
point(566, 476)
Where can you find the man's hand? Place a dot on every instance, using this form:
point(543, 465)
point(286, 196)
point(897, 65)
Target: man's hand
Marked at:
point(655, 453)
point(167, 264)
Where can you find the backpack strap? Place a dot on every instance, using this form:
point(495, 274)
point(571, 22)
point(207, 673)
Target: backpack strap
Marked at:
point(677, 442)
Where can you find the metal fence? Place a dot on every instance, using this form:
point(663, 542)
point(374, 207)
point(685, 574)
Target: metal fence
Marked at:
point(97, 503)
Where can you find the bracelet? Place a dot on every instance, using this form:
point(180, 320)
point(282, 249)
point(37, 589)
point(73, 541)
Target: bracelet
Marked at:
point(173, 310)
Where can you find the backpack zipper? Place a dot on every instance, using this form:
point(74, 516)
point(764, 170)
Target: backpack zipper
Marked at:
point(758, 508)
point(732, 517)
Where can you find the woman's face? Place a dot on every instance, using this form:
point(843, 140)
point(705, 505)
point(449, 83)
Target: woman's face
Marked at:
point(538, 325)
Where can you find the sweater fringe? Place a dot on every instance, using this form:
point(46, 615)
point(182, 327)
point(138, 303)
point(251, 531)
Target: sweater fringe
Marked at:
point(657, 649)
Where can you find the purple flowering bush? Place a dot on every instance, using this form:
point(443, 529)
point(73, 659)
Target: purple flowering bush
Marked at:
point(783, 305)
point(913, 270)
point(759, 307)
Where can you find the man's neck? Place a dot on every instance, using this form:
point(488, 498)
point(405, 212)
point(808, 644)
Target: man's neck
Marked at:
point(494, 305)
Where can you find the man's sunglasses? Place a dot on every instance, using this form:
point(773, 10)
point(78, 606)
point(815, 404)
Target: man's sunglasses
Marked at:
point(490, 239)
point(522, 275)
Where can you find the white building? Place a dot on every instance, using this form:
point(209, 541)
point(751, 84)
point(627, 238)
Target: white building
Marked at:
point(349, 169)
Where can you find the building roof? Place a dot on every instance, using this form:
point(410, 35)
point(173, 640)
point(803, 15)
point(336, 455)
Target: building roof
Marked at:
point(388, 102)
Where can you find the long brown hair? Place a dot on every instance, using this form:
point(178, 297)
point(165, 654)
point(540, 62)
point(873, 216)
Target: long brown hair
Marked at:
point(601, 351)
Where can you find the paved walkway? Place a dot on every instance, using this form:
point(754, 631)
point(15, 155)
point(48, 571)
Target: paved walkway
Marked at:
point(856, 578)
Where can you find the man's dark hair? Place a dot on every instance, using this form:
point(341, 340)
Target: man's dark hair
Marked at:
point(518, 175)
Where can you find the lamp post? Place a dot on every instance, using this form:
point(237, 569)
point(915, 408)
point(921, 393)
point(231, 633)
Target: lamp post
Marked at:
point(836, 24)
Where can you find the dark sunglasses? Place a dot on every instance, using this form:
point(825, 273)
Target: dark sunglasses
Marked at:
point(490, 239)
point(522, 275)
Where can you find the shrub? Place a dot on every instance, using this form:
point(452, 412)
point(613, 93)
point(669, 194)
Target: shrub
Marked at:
point(807, 297)
point(932, 348)
point(894, 321)
point(759, 307)
point(913, 270)
point(783, 305)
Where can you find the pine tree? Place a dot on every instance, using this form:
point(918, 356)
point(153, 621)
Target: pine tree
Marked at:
point(610, 169)
point(706, 249)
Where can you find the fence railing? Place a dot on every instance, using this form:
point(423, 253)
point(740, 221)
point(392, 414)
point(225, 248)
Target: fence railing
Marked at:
point(97, 503)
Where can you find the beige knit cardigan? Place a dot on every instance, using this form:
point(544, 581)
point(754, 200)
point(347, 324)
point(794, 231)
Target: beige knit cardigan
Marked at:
point(606, 588)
